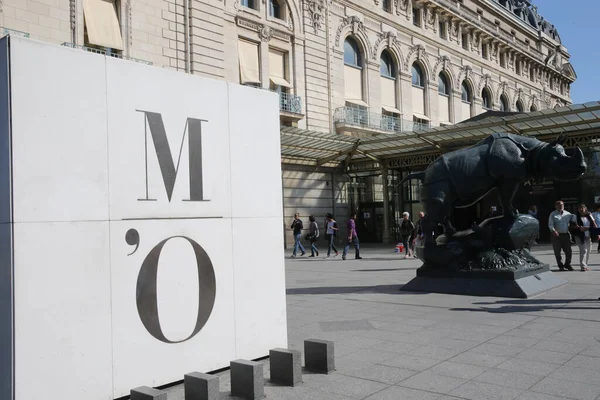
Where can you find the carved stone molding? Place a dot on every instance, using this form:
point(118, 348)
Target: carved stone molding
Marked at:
point(404, 5)
point(465, 73)
point(1, 5)
point(316, 9)
point(444, 61)
point(486, 80)
point(417, 49)
point(265, 33)
point(389, 36)
point(357, 26)
point(72, 11)
point(130, 21)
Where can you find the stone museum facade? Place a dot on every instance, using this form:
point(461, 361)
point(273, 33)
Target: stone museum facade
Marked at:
point(357, 68)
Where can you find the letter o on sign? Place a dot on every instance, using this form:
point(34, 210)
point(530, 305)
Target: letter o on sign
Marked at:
point(147, 299)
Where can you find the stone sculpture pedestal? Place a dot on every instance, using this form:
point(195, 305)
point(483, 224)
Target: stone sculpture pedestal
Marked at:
point(502, 283)
point(489, 260)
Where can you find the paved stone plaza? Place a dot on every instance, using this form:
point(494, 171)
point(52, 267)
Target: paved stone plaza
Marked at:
point(404, 346)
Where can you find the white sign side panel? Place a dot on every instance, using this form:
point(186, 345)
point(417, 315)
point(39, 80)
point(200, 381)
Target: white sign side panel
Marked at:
point(6, 264)
point(173, 300)
point(62, 311)
point(60, 167)
point(260, 304)
point(255, 153)
point(169, 144)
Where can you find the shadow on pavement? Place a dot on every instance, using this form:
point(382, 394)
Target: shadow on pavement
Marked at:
point(387, 289)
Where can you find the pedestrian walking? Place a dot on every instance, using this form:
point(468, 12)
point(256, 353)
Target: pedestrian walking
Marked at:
point(558, 223)
point(297, 228)
point(596, 215)
point(313, 236)
point(352, 238)
point(583, 238)
point(407, 231)
point(331, 233)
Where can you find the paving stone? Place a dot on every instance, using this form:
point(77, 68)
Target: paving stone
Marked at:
point(591, 376)
point(396, 347)
point(570, 389)
point(545, 356)
point(483, 360)
point(432, 382)
point(591, 351)
point(497, 349)
point(336, 326)
point(457, 344)
point(411, 362)
point(514, 379)
point(484, 391)
point(516, 341)
point(456, 370)
point(560, 347)
point(539, 396)
point(353, 387)
point(584, 362)
point(397, 393)
point(379, 373)
point(435, 352)
point(529, 366)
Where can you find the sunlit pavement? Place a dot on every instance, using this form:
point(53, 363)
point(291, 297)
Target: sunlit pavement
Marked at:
point(397, 345)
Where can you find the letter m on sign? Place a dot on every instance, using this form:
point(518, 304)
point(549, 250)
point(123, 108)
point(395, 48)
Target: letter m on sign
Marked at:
point(153, 124)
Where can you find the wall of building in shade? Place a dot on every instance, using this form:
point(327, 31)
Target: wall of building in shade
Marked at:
point(500, 52)
point(132, 250)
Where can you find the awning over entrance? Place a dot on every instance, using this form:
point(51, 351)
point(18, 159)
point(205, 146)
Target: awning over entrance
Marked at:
point(309, 148)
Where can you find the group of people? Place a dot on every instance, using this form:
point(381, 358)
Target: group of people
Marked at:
point(331, 231)
point(583, 227)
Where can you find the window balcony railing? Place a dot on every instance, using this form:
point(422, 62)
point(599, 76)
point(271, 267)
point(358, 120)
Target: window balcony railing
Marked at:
point(367, 120)
point(105, 53)
point(290, 103)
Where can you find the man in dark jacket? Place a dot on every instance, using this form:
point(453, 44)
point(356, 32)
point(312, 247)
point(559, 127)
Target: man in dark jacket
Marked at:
point(297, 228)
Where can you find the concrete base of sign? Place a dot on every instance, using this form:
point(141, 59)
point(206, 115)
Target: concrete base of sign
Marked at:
point(199, 386)
point(319, 356)
point(247, 379)
point(147, 393)
point(286, 366)
point(520, 284)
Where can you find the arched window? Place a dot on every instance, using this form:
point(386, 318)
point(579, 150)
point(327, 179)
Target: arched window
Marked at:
point(486, 99)
point(248, 3)
point(353, 75)
point(533, 108)
point(443, 86)
point(467, 101)
point(520, 107)
point(275, 9)
point(386, 65)
point(417, 76)
point(444, 98)
point(351, 53)
point(466, 95)
point(504, 103)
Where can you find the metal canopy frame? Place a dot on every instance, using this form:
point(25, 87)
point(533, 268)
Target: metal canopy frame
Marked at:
point(580, 122)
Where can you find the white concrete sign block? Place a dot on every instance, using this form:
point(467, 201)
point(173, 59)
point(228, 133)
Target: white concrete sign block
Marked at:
point(140, 236)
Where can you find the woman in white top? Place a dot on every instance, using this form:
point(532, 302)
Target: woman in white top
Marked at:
point(581, 232)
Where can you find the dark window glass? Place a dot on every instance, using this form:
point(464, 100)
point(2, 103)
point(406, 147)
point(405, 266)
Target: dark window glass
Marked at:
point(386, 66)
point(417, 76)
point(351, 54)
point(443, 86)
point(466, 93)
